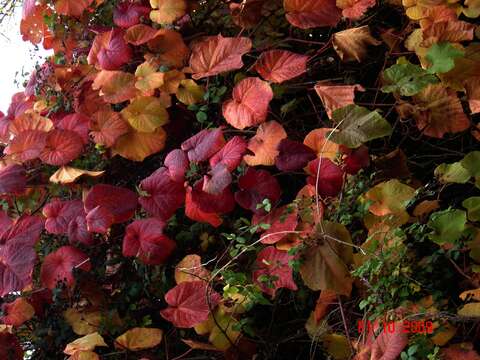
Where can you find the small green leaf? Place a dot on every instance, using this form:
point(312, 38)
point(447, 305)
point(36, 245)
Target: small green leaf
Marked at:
point(447, 225)
point(442, 57)
point(357, 125)
point(201, 116)
point(452, 173)
point(472, 205)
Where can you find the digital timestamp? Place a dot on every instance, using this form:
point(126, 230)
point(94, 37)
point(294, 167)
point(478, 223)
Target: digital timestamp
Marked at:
point(405, 326)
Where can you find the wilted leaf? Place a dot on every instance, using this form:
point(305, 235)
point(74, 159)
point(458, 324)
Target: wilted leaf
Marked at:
point(87, 343)
point(137, 339)
point(351, 44)
point(68, 175)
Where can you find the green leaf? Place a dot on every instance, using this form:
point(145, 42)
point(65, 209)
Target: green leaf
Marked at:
point(471, 162)
point(442, 57)
point(447, 225)
point(452, 173)
point(357, 125)
point(472, 205)
point(407, 79)
point(201, 116)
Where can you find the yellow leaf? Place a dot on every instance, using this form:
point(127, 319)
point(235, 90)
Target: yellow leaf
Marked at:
point(147, 78)
point(444, 334)
point(145, 114)
point(470, 295)
point(172, 81)
point(190, 269)
point(137, 145)
point(137, 339)
point(68, 175)
point(389, 197)
point(168, 10)
point(86, 343)
point(337, 346)
point(223, 338)
point(83, 323)
point(189, 92)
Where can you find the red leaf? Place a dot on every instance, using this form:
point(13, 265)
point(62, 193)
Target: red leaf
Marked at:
point(231, 154)
point(145, 240)
point(274, 263)
point(249, 106)
point(59, 265)
point(217, 179)
point(217, 54)
point(12, 179)
point(10, 348)
point(61, 147)
point(78, 232)
point(188, 305)
point(99, 220)
point(203, 145)
point(165, 195)
point(307, 14)
point(193, 211)
point(17, 312)
point(120, 202)
point(255, 186)
point(77, 123)
point(355, 159)
point(177, 164)
point(280, 65)
point(140, 34)
point(109, 50)
point(72, 7)
point(59, 213)
point(5, 222)
point(330, 179)
point(282, 221)
point(293, 155)
point(27, 145)
point(221, 203)
point(26, 229)
point(127, 14)
point(354, 9)
point(387, 346)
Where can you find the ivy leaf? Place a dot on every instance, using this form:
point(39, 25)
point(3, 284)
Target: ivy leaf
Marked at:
point(407, 79)
point(442, 57)
point(447, 225)
point(357, 125)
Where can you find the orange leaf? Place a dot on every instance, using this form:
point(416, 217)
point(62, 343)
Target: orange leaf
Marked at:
point(307, 14)
point(216, 54)
point(27, 145)
point(439, 111)
point(137, 339)
point(33, 26)
point(169, 48)
point(325, 300)
point(354, 9)
point(30, 121)
point(351, 44)
point(264, 144)
point(249, 105)
point(115, 86)
point(472, 86)
point(17, 312)
point(336, 96)
point(140, 34)
point(71, 7)
point(280, 65)
point(190, 268)
point(464, 351)
point(136, 145)
point(317, 141)
point(68, 175)
point(107, 127)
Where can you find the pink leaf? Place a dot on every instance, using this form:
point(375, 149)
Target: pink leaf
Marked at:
point(109, 50)
point(78, 232)
point(177, 164)
point(99, 220)
point(203, 145)
point(127, 14)
point(77, 123)
point(61, 147)
point(231, 154)
point(59, 213)
point(12, 179)
point(280, 65)
point(217, 179)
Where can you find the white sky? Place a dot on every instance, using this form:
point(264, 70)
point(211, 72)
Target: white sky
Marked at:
point(15, 55)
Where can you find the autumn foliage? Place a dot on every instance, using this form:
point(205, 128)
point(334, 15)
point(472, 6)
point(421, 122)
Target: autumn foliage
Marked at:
point(243, 180)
